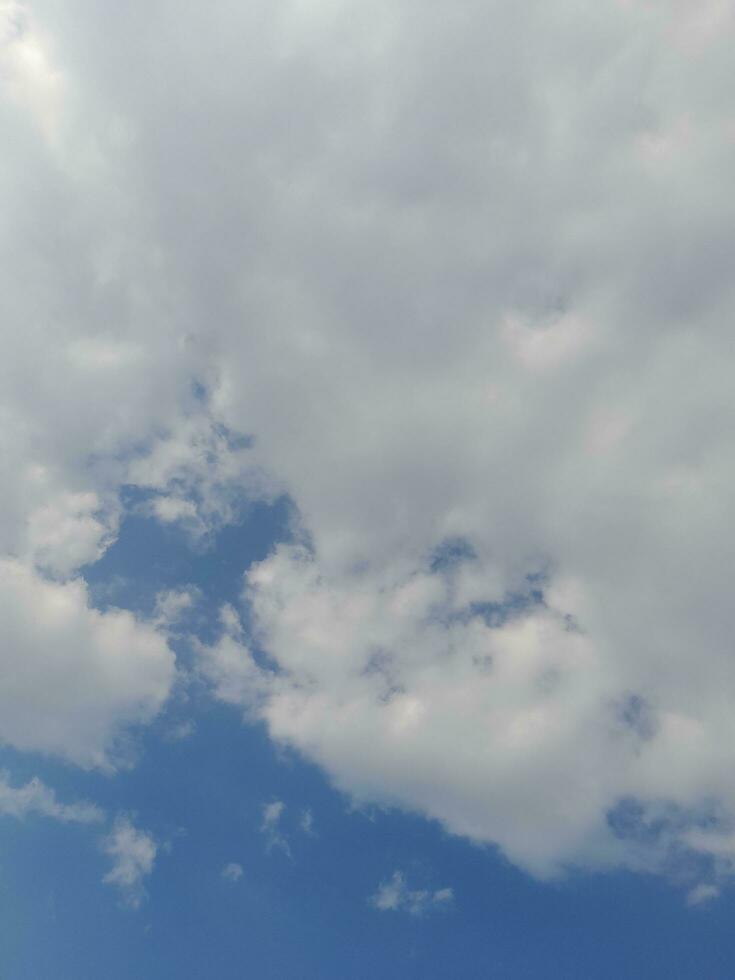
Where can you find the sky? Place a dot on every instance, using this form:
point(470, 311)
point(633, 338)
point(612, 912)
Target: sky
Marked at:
point(366, 416)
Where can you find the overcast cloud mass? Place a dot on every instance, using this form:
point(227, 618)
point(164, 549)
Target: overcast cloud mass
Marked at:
point(457, 279)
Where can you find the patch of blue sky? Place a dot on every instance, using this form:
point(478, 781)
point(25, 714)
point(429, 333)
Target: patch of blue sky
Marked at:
point(150, 557)
point(307, 915)
point(304, 911)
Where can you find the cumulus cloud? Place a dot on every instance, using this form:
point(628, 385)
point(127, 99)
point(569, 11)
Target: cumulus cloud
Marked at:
point(198, 474)
point(462, 277)
point(394, 895)
point(512, 332)
point(74, 678)
point(36, 797)
point(133, 854)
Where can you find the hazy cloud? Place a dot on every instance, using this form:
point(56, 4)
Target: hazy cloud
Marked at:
point(36, 797)
point(232, 872)
point(394, 895)
point(271, 827)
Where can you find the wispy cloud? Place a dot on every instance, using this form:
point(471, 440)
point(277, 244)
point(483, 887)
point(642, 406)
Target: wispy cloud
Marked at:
point(395, 895)
point(307, 822)
point(172, 605)
point(271, 827)
point(232, 872)
point(181, 731)
point(36, 797)
point(133, 854)
point(702, 894)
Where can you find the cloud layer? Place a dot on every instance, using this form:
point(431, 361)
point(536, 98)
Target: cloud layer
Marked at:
point(462, 274)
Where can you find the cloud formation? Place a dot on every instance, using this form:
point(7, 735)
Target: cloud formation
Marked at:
point(307, 822)
point(270, 827)
point(36, 797)
point(74, 678)
point(462, 277)
point(133, 854)
point(394, 895)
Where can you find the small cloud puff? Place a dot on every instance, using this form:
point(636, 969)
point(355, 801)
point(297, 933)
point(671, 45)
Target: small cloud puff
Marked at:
point(270, 827)
point(702, 893)
point(395, 896)
point(180, 732)
point(133, 854)
point(307, 822)
point(232, 872)
point(172, 606)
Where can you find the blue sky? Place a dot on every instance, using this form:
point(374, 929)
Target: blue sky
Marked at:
point(366, 431)
point(307, 912)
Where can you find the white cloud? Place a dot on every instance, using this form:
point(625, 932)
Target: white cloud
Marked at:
point(181, 731)
point(307, 822)
point(172, 605)
point(232, 872)
point(133, 854)
point(70, 531)
point(75, 678)
point(171, 509)
point(702, 894)
point(271, 827)
point(394, 895)
point(230, 666)
point(461, 274)
point(199, 472)
point(36, 797)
